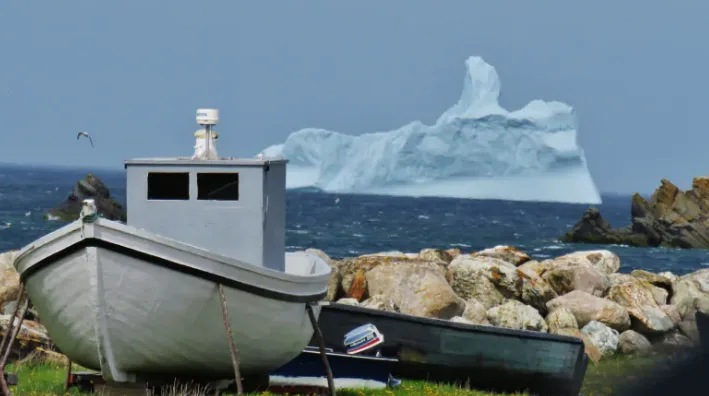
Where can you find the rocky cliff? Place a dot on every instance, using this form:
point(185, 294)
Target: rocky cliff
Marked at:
point(671, 218)
point(88, 187)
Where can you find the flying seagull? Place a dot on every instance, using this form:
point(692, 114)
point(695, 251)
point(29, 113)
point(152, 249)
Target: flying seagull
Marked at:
point(80, 134)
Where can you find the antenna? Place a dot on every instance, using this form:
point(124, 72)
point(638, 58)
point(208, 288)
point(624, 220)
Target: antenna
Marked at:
point(208, 118)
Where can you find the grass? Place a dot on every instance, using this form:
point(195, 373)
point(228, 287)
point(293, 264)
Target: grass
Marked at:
point(37, 379)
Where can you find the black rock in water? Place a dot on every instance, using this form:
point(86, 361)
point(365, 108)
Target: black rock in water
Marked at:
point(671, 218)
point(88, 187)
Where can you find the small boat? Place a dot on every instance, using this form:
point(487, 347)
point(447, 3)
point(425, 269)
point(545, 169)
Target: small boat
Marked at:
point(142, 299)
point(483, 357)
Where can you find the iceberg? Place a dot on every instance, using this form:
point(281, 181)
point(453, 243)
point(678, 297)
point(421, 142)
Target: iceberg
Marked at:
point(475, 149)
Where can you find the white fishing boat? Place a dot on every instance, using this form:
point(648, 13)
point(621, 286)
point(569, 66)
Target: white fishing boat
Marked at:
point(142, 298)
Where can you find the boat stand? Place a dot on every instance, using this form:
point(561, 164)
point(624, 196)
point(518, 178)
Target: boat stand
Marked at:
point(323, 352)
point(8, 339)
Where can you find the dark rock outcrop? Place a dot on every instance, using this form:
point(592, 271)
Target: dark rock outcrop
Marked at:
point(88, 187)
point(671, 218)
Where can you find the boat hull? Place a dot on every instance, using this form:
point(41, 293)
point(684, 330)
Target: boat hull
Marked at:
point(348, 371)
point(132, 317)
point(484, 357)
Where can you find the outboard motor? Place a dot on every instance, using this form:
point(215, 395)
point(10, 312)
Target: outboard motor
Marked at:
point(363, 338)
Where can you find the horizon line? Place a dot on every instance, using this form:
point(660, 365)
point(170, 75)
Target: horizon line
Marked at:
point(94, 168)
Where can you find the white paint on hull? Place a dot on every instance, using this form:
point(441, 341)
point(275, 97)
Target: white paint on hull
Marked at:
point(340, 383)
point(123, 316)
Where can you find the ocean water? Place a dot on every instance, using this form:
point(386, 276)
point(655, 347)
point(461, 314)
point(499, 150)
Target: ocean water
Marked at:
point(350, 225)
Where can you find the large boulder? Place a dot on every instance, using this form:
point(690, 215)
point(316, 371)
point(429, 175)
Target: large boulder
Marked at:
point(515, 315)
point(586, 308)
point(475, 313)
point(353, 270)
point(509, 254)
point(561, 320)
point(637, 297)
point(470, 278)
point(569, 277)
point(492, 281)
point(9, 278)
point(416, 289)
point(691, 293)
point(634, 343)
point(603, 337)
point(435, 255)
point(88, 187)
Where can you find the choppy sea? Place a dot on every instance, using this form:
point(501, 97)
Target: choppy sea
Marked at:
point(349, 225)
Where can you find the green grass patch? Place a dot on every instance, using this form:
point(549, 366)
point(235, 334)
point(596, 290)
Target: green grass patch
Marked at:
point(601, 379)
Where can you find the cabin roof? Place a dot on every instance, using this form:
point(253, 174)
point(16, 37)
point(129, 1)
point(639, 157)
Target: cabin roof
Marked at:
point(188, 161)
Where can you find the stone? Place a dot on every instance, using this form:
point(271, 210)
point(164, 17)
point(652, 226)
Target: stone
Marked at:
point(453, 252)
point(358, 287)
point(617, 279)
point(417, 289)
point(515, 315)
point(7, 259)
point(9, 278)
point(691, 293)
point(634, 343)
point(508, 254)
point(30, 331)
point(660, 295)
point(460, 319)
point(654, 279)
point(603, 337)
point(89, 187)
point(561, 318)
point(673, 341)
point(381, 303)
point(475, 313)
point(435, 255)
point(469, 279)
point(586, 308)
point(42, 356)
point(672, 312)
point(349, 267)
point(603, 260)
point(591, 350)
point(492, 281)
point(348, 301)
point(688, 327)
point(334, 285)
point(533, 290)
point(638, 299)
point(669, 275)
point(566, 278)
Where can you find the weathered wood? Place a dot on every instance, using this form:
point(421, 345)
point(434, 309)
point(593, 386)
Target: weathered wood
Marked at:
point(9, 338)
point(67, 381)
point(323, 352)
point(232, 347)
point(10, 324)
point(15, 331)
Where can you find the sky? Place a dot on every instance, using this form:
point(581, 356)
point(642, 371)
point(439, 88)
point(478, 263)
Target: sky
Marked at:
point(133, 72)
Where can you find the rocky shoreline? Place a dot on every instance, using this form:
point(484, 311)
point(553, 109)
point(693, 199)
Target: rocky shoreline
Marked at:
point(671, 218)
point(581, 294)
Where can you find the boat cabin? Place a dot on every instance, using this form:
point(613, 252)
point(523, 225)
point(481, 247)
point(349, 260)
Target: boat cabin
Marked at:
point(230, 206)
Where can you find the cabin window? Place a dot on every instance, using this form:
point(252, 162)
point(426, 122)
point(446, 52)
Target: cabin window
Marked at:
point(218, 186)
point(168, 186)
